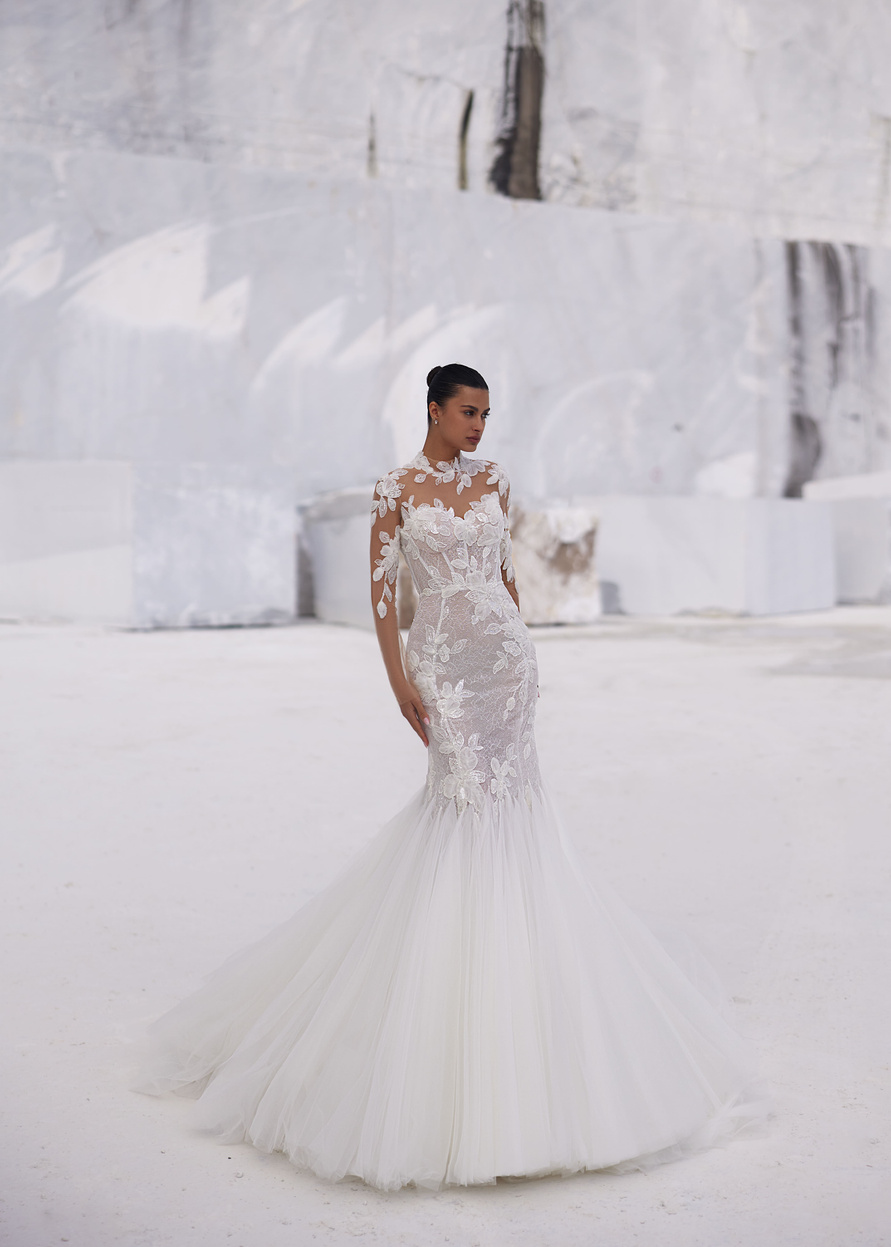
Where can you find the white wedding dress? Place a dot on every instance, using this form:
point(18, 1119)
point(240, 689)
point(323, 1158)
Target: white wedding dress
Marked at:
point(463, 1003)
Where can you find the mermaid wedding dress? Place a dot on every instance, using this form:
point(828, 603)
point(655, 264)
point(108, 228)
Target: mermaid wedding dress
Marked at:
point(462, 1004)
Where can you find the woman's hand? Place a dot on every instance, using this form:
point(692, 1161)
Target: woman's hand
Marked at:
point(413, 710)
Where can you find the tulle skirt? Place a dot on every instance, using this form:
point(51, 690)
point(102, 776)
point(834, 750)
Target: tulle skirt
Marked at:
point(460, 1005)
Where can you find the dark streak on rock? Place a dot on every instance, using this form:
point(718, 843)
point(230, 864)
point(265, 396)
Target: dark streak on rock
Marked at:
point(118, 11)
point(831, 335)
point(462, 142)
point(371, 162)
point(306, 590)
point(796, 349)
point(805, 443)
point(804, 453)
point(515, 168)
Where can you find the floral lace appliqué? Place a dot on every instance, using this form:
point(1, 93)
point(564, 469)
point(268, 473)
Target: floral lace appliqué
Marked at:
point(468, 653)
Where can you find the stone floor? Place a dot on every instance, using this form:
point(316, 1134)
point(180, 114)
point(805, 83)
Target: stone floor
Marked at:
point(166, 797)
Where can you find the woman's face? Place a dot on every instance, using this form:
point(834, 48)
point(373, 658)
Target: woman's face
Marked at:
point(462, 418)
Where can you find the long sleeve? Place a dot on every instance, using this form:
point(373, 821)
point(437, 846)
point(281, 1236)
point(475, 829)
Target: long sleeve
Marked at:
point(498, 476)
point(385, 535)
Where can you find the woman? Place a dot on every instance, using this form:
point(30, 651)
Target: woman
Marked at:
point(461, 1005)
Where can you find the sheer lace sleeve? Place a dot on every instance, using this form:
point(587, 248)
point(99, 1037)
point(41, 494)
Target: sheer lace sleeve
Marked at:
point(498, 476)
point(386, 529)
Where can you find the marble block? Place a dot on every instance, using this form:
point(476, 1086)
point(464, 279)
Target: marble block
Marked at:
point(861, 511)
point(761, 556)
point(146, 545)
point(553, 549)
point(66, 541)
point(337, 531)
point(214, 544)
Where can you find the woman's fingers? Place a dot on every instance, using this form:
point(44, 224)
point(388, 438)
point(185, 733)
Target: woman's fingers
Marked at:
point(413, 710)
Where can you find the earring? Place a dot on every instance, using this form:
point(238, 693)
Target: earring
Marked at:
point(436, 422)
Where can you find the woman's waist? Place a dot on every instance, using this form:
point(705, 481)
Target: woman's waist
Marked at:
point(482, 588)
point(464, 625)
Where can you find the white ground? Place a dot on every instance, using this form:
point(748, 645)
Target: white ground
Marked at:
point(167, 797)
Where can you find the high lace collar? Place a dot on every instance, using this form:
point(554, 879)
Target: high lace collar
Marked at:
point(461, 470)
point(443, 465)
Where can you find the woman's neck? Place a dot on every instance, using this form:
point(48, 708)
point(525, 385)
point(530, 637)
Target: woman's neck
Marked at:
point(436, 449)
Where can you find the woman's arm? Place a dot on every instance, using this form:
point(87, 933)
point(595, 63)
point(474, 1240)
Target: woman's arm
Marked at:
point(511, 587)
point(507, 565)
point(384, 567)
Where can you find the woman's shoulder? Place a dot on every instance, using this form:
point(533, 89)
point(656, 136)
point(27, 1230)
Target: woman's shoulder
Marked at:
point(419, 464)
point(496, 474)
point(387, 490)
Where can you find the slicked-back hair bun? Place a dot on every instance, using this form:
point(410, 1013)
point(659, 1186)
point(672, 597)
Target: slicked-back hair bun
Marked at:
point(444, 383)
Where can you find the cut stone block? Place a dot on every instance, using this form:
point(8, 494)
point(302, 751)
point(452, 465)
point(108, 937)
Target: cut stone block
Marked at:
point(862, 532)
point(337, 531)
point(664, 556)
point(66, 541)
point(861, 511)
point(553, 550)
point(146, 545)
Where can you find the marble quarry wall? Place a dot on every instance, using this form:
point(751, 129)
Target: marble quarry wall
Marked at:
point(234, 241)
point(772, 115)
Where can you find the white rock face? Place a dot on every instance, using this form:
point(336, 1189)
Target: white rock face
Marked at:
point(239, 241)
point(775, 118)
point(292, 323)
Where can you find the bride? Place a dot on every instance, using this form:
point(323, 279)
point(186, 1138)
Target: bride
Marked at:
point(463, 1003)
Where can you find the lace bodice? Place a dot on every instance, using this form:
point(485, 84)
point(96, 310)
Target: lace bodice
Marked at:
point(448, 550)
point(468, 652)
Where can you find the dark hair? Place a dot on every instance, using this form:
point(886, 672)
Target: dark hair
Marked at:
point(444, 383)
